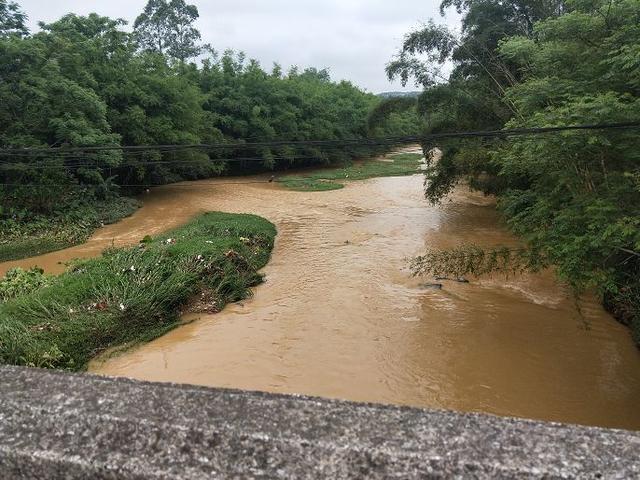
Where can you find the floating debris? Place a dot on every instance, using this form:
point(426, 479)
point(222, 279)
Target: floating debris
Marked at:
point(458, 279)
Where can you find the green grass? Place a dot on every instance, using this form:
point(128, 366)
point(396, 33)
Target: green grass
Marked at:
point(132, 295)
point(30, 247)
point(332, 178)
point(72, 226)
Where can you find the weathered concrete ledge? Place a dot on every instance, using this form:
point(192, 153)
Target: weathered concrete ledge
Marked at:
point(55, 425)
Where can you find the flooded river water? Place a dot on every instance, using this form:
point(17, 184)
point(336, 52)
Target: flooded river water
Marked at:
point(340, 316)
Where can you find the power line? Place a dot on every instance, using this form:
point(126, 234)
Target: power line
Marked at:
point(532, 131)
point(194, 183)
point(212, 146)
point(79, 157)
point(341, 142)
point(76, 152)
point(65, 154)
point(203, 162)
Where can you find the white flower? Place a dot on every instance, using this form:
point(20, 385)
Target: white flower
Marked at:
point(122, 307)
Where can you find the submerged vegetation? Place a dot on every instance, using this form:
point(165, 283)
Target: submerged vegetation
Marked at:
point(572, 196)
point(130, 295)
point(398, 164)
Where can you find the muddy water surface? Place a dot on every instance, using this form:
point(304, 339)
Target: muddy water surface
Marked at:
point(340, 316)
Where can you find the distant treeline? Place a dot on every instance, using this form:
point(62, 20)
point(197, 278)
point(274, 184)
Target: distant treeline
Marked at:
point(85, 81)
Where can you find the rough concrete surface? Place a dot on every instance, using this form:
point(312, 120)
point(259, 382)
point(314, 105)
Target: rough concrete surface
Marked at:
point(58, 425)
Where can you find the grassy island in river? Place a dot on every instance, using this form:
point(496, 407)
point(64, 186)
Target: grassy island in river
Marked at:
point(130, 295)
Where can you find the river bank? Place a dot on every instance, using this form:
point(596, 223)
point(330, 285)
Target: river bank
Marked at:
point(71, 226)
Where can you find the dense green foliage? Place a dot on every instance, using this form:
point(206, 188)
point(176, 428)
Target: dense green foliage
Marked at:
point(395, 116)
point(130, 295)
point(70, 224)
point(87, 81)
point(18, 282)
point(573, 196)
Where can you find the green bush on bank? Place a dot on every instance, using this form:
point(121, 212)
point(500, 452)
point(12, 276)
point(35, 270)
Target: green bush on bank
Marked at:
point(39, 234)
point(18, 282)
point(134, 294)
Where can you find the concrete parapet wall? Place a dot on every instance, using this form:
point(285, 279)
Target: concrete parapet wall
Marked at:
point(57, 425)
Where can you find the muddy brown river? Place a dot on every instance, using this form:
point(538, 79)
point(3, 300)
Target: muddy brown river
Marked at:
point(340, 316)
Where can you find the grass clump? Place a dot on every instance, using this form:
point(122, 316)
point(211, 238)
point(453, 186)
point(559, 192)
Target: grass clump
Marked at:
point(134, 294)
point(18, 282)
point(72, 225)
point(399, 164)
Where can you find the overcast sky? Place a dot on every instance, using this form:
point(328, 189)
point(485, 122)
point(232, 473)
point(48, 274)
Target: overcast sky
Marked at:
point(353, 38)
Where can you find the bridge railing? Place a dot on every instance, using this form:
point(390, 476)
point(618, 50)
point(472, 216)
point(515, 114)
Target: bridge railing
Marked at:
point(58, 425)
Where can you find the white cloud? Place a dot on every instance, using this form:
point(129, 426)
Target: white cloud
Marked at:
point(353, 38)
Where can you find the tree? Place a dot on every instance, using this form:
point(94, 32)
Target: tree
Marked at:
point(12, 19)
point(42, 107)
point(167, 27)
point(573, 196)
point(152, 27)
point(184, 37)
point(480, 74)
point(395, 116)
